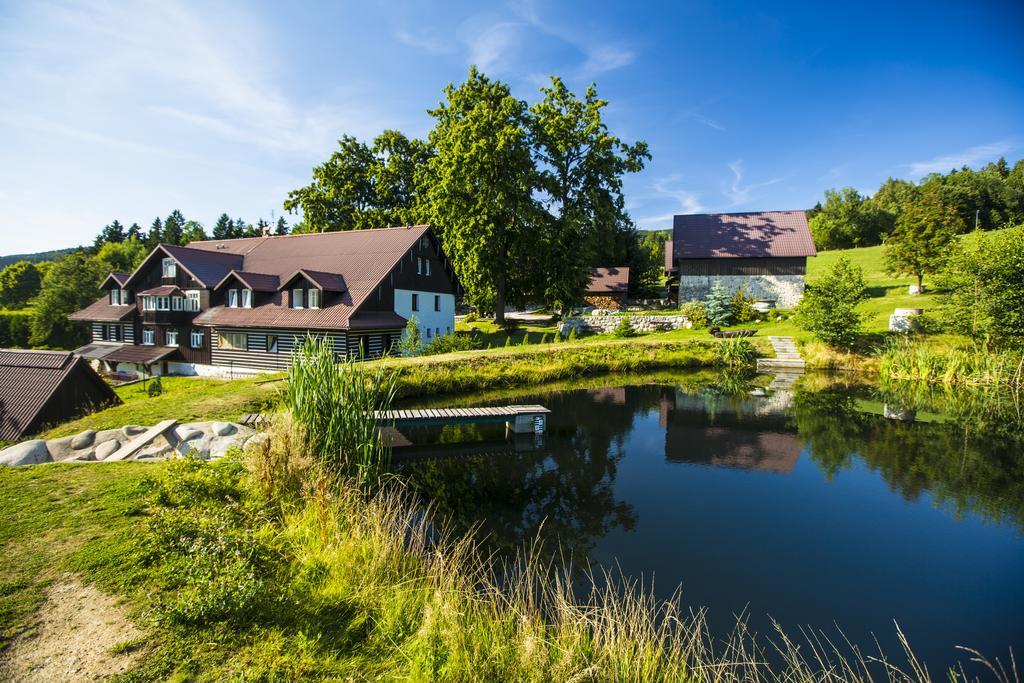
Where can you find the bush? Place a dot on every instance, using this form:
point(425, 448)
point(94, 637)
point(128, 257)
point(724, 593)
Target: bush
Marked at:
point(411, 342)
point(449, 343)
point(625, 329)
point(718, 305)
point(829, 306)
point(471, 318)
point(15, 328)
point(735, 353)
point(742, 306)
point(695, 313)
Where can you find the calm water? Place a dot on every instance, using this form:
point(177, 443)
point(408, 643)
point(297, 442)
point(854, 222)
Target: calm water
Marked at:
point(808, 506)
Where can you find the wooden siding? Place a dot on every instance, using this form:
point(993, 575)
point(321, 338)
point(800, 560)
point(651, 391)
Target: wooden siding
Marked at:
point(374, 342)
point(404, 276)
point(102, 332)
point(743, 266)
point(256, 356)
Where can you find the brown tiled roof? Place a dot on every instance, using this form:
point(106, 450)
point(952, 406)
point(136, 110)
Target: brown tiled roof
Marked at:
point(759, 234)
point(209, 267)
point(140, 353)
point(257, 282)
point(328, 282)
point(161, 290)
point(364, 256)
point(29, 379)
point(101, 311)
point(609, 280)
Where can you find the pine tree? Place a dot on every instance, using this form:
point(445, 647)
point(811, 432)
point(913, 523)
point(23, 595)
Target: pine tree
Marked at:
point(156, 233)
point(134, 233)
point(223, 228)
point(262, 227)
point(719, 306)
point(114, 232)
point(281, 227)
point(174, 227)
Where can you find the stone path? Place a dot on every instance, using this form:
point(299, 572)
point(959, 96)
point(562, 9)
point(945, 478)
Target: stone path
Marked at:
point(786, 356)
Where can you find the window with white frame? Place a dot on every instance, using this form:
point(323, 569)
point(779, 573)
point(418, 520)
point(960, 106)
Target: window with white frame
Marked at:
point(197, 339)
point(297, 297)
point(148, 337)
point(163, 303)
point(171, 338)
point(148, 304)
point(246, 298)
point(426, 266)
point(124, 297)
point(232, 298)
point(314, 298)
point(177, 303)
point(272, 343)
point(115, 297)
point(232, 340)
point(193, 300)
point(170, 268)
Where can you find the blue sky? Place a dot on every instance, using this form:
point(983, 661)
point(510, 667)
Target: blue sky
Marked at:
point(129, 110)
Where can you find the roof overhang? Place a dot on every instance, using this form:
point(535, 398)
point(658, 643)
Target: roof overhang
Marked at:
point(325, 282)
point(131, 353)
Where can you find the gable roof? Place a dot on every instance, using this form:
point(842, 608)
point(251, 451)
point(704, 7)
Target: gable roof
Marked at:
point(30, 379)
point(102, 310)
point(353, 263)
point(117, 276)
point(757, 234)
point(257, 282)
point(614, 280)
point(207, 267)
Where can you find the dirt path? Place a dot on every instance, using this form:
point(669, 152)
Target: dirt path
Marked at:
point(72, 638)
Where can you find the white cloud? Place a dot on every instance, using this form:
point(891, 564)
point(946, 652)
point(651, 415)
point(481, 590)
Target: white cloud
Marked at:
point(426, 40)
point(685, 201)
point(968, 157)
point(710, 123)
point(738, 193)
point(491, 49)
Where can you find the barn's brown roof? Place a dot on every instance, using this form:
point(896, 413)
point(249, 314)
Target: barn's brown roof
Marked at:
point(257, 282)
point(614, 280)
point(327, 282)
point(118, 277)
point(102, 311)
point(30, 379)
point(758, 234)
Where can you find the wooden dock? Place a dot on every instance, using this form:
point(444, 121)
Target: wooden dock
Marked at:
point(521, 419)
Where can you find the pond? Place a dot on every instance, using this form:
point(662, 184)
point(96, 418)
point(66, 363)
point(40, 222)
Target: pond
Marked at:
point(816, 505)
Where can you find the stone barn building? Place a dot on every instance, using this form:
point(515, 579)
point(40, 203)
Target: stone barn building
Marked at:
point(607, 288)
point(765, 250)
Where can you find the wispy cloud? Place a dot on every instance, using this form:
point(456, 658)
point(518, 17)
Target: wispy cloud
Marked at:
point(737, 192)
point(683, 201)
point(493, 48)
point(710, 123)
point(426, 40)
point(968, 157)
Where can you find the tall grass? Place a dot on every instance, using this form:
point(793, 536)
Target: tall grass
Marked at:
point(903, 359)
point(332, 402)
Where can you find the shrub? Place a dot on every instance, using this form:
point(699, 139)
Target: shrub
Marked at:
point(572, 334)
point(829, 306)
point(625, 329)
point(471, 317)
point(696, 313)
point(155, 387)
point(735, 353)
point(718, 306)
point(15, 328)
point(742, 306)
point(410, 343)
point(449, 343)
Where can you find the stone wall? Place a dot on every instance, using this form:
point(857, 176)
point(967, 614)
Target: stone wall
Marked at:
point(785, 290)
point(602, 324)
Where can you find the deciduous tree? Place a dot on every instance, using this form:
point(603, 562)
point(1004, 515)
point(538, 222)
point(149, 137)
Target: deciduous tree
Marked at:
point(69, 286)
point(121, 256)
point(19, 282)
point(847, 219)
point(829, 306)
point(921, 239)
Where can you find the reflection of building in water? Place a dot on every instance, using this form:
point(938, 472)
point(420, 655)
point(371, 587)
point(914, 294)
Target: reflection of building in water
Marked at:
point(749, 432)
point(613, 395)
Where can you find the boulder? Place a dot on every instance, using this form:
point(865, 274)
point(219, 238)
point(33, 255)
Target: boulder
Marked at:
point(255, 441)
point(108, 435)
point(187, 433)
point(60, 449)
point(106, 449)
point(132, 430)
point(32, 452)
point(223, 428)
point(84, 440)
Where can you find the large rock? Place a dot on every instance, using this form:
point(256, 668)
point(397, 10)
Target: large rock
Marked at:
point(25, 453)
point(132, 430)
point(187, 433)
point(107, 449)
point(61, 449)
point(84, 440)
point(223, 428)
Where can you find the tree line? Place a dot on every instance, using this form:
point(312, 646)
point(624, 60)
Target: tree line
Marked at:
point(175, 229)
point(524, 199)
point(989, 198)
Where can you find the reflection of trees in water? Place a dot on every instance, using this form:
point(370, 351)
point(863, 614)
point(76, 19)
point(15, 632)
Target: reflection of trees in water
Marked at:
point(973, 462)
point(562, 494)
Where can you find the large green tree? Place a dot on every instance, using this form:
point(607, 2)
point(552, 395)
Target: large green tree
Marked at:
point(121, 256)
point(114, 232)
point(364, 186)
point(156, 233)
point(19, 282)
point(920, 242)
point(829, 307)
point(847, 219)
point(224, 229)
point(480, 190)
point(174, 228)
point(580, 169)
point(69, 286)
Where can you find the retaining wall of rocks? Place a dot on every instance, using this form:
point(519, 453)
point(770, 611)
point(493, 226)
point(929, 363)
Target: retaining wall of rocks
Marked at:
point(602, 324)
point(205, 439)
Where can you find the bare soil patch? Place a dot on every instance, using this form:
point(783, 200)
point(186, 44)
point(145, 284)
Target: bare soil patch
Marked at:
point(75, 636)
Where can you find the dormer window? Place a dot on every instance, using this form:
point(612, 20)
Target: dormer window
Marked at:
point(314, 298)
point(297, 298)
point(170, 268)
point(246, 298)
point(232, 298)
point(115, 297)
point(124, 297)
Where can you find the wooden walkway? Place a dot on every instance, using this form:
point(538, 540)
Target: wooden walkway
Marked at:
point(496, 414)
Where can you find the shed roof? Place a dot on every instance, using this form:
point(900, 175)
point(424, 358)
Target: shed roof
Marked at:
point(29, 379)
point(756, 234)
point(101, 310)
point(614, 280)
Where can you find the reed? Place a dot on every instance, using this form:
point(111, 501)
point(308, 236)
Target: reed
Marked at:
point(903, 359)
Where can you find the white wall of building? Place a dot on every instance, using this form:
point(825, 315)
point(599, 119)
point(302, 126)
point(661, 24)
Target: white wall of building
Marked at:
point(438, 322)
